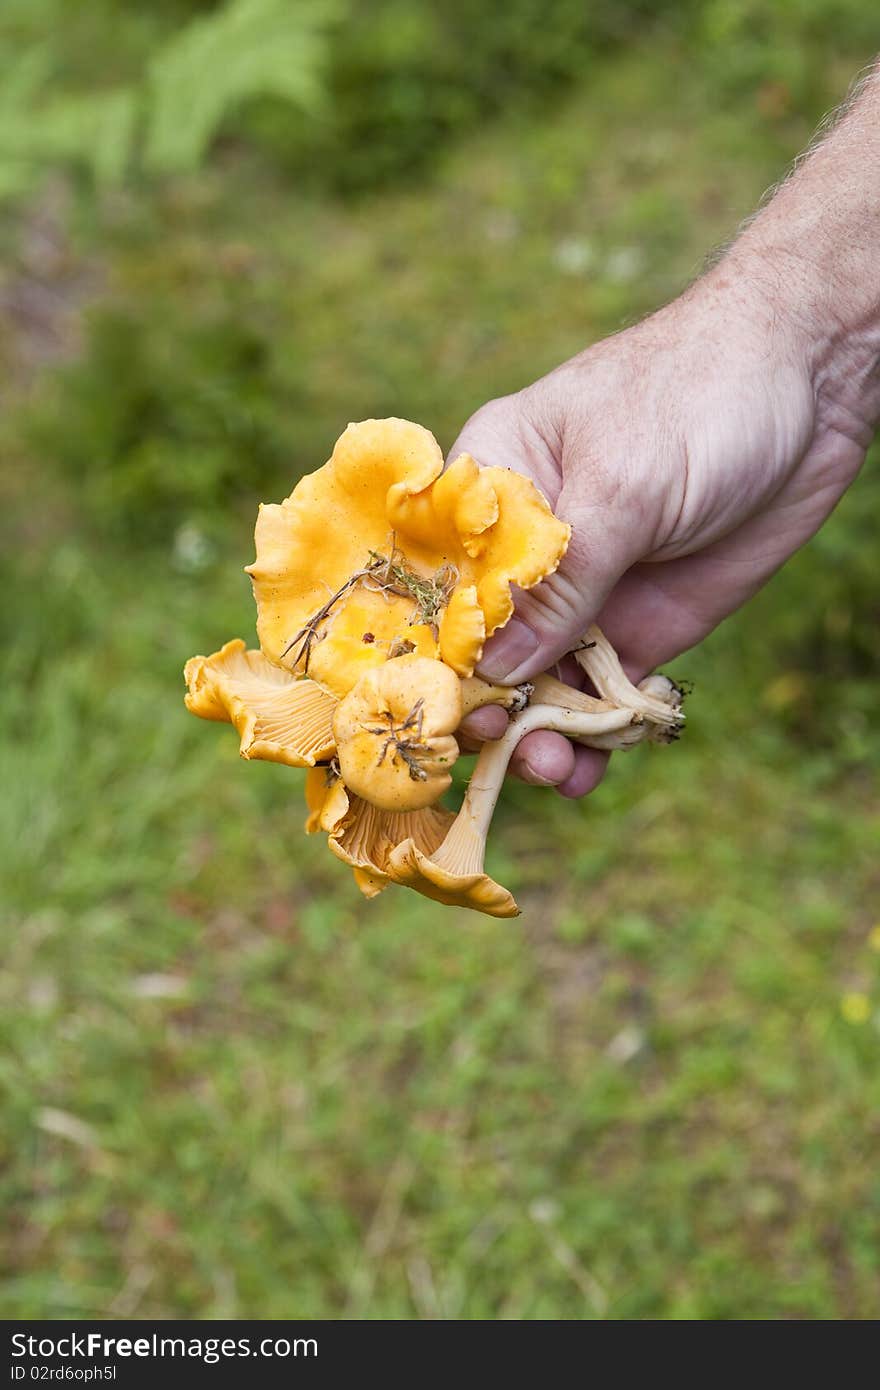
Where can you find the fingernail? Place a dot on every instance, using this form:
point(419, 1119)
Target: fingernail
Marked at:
point(489, 723)
point(507, 650)
point(535, 779)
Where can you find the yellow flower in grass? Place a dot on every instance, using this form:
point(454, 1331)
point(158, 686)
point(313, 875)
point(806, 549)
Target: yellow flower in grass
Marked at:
point(855, 1007)
point(380, 552)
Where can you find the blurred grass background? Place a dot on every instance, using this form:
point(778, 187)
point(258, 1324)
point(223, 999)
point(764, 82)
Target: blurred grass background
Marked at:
point(230, 1086)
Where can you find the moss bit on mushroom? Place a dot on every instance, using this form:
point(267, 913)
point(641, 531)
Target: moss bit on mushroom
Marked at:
point(383, 575)
point(430, 594)
point(311, 630)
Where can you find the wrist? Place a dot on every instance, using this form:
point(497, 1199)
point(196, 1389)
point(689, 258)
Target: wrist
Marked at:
point(817, 311)
point(814, 250)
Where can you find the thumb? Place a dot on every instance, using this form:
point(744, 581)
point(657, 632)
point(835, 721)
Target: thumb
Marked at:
point(550, 619)
point(516, 432)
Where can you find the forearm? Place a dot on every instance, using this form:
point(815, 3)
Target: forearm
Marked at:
point(814, 253)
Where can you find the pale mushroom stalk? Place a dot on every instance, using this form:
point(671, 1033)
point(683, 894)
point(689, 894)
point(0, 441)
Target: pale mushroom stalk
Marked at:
point(549, 691)
point(476, 693)
point(463, 850)
point(598, 659)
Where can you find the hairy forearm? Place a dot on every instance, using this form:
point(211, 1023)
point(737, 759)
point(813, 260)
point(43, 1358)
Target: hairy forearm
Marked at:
point(813, 252)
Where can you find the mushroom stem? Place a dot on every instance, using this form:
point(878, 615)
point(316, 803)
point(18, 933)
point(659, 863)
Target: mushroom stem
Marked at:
point(550, 691)
point(476, 693)
point(643, 727)
point(464, 848)
point(601, 663)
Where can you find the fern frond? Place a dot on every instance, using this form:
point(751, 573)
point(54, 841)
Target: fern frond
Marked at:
point(246, 49)
point(95, 131)
point(249, 48)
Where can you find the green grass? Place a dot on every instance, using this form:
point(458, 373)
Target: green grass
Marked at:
point(231, 1086)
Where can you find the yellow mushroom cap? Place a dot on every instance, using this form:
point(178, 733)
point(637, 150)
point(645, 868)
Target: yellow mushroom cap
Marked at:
point(394, 733)
point(320, 782)
point(371, 885)
point(381, 551)
point(278, 717)
point(455, 886)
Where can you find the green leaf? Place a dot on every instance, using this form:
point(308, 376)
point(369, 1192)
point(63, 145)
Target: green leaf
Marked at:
point(95, 130)
point(250, 48)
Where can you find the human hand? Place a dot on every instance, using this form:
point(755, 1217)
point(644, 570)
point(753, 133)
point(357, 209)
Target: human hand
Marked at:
point(693, 454)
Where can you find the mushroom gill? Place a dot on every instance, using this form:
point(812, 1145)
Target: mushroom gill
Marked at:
point(364, 836)
point(278, 717)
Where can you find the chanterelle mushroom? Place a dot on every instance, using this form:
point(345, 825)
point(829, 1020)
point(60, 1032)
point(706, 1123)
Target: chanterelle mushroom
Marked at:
point(278, 717)
point(377, 582)
point(394, 733)
point(381, 552)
